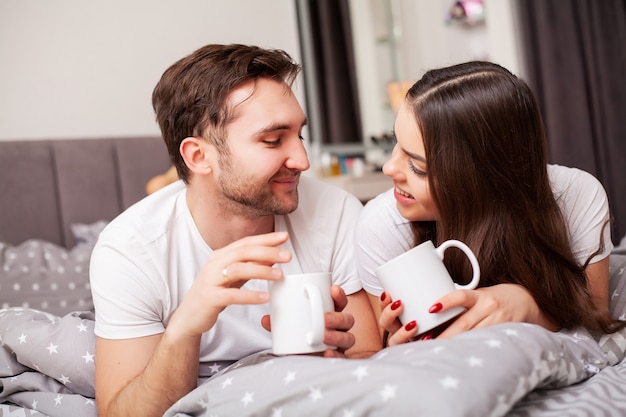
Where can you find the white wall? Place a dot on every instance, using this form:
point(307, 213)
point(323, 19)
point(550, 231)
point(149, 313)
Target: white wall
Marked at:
point(76, 69)
point(424, 40)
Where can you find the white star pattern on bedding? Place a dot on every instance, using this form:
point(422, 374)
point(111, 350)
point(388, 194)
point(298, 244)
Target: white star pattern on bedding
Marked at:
point(44, 276)
point(47, 364)
point(509, 360)
point(503, 357)
point(53, 353)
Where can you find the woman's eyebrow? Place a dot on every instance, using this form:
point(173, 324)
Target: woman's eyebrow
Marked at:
point(414, 155)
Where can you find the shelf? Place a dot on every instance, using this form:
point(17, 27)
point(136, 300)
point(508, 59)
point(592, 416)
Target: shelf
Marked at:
point(364, 188)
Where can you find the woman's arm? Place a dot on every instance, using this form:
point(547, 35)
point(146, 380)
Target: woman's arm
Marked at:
point(509, 302)
point(598, 282)
point(365, 329)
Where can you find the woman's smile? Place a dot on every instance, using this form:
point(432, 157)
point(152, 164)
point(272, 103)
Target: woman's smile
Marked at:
point(402, 196)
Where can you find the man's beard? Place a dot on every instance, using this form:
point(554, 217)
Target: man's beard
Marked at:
point(254, 197)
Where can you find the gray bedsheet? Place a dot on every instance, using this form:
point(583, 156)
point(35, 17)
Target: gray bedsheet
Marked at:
point(46, 369)
point(602, 395)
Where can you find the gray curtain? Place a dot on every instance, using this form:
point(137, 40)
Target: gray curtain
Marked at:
point(575, 51)
point(334, 71)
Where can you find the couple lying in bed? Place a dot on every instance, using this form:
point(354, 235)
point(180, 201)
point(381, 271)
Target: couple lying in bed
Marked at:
point(181, 277)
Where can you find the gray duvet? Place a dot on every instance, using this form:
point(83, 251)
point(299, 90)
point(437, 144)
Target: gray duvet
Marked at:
point(513, 369)
point(46, 369)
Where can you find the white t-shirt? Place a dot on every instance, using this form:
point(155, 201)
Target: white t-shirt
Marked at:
point(382, 233)
point(147, 258)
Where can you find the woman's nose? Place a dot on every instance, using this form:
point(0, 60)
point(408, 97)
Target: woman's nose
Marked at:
point(390, 168)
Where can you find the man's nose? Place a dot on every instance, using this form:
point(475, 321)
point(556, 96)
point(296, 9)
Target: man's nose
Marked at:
point(298, 158)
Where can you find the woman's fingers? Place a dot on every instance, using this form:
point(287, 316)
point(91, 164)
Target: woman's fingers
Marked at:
point(487, 306)
point(484, 307)
point(385, 300)
point(467, 320)
point(403, 334)
point(390, 322)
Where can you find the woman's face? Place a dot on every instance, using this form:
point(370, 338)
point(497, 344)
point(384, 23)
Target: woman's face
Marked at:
point(408, 170)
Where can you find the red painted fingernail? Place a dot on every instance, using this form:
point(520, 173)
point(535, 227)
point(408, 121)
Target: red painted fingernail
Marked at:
point(410, 326)
point(435, 308)
point(396, 304)
point(383, 296)
point(427, 336)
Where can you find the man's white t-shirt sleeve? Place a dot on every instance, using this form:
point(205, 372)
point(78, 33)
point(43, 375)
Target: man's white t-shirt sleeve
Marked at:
point(126, 299)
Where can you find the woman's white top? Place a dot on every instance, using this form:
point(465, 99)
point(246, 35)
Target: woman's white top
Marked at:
point(382, 233)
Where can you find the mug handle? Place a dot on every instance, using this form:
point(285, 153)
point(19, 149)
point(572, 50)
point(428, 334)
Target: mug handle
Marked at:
point(316, 335)
point(472, 258)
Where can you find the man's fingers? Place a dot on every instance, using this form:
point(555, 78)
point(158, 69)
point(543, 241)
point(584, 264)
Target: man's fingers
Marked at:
point(266, 323)
point(343, 340)
point(339, 297)
point(338, 321)
point(235, 274)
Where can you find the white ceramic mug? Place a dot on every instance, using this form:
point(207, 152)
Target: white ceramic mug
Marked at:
point(419, 278)
point(297, 306)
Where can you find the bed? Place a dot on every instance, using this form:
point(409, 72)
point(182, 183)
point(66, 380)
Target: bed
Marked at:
point(57, 196)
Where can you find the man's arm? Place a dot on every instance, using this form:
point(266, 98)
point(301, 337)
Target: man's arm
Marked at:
point(144, 376)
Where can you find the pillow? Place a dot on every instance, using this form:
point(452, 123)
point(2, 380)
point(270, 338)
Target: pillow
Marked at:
point(45, 276)
point(617, 285)
point(87, 234)
point(614, 345)
point(621, 248)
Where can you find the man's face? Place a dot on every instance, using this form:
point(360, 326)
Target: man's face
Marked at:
point(266, 155)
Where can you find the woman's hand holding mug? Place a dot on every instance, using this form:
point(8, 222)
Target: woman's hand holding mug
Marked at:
point(414, 282)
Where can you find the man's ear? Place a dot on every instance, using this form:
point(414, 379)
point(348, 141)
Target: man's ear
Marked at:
point(197, 154)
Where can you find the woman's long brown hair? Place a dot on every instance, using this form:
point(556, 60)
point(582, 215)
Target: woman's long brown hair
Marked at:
point(486, 154)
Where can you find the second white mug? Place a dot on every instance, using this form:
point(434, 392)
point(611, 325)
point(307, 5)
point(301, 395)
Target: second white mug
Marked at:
point(419, 278)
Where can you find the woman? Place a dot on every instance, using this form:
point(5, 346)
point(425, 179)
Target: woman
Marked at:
point(470, 163)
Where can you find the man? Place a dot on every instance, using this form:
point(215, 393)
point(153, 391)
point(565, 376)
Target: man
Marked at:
point(181, 278)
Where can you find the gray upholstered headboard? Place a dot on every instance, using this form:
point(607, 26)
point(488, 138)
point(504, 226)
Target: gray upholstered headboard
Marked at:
point(48, 185)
